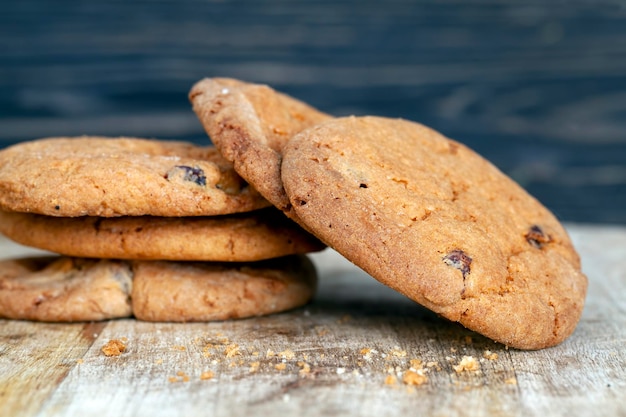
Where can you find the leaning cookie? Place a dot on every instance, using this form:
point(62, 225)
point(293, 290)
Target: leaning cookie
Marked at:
point(430, 218)
point(250, 124)
point(252, 236)
point(182, 292)
point(61, 289)
point(96, 176)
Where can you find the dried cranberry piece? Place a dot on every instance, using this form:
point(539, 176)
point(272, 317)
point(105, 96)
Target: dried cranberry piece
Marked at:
point(191, 174)
point(459, 260)
point(536, 237)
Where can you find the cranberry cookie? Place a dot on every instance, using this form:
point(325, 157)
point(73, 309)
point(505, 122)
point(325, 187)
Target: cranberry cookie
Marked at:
point(96, 176)
point(250, 124)
point(433, 220)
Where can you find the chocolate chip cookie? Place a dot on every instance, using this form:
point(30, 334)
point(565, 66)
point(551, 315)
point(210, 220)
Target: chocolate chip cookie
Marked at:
point(435, 221)
point(96, 176)
point(250, 124)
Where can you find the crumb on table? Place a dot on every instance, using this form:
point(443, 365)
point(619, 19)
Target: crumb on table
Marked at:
point(114, 347)
point(468, 363)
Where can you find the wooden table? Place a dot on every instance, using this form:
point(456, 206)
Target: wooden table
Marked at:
point(344, 354)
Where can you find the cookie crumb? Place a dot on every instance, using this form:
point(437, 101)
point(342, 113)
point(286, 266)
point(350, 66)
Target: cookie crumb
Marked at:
point(180, 377)
point(511, 381)
point(492, 356)
point(397, 352)
point(179, 348)
point(207, 375)
point(305, 368)
point(287, 354)
point(79, 361)
point(254, 367)
point(114, 347)
point(232, 350)
point(468, 363)
point(281, 366)
point(414, 377)
point(416, 364)
point(391, 380)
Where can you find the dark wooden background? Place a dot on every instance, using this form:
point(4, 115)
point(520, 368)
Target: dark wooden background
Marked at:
point(537, 87)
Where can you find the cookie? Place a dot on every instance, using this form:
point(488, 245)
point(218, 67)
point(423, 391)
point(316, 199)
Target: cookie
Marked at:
point(96, 176)
point(65, 289)
point(62, 289)
point(251, 236)
point(435, 221)
point(250, 124)
point(183, 292)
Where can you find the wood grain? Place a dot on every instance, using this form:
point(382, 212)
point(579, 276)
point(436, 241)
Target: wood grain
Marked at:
point(344, 354)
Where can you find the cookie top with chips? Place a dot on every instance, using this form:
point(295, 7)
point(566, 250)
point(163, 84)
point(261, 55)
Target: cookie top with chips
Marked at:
point(108, 177)
point(250, 124)
point(435, 221)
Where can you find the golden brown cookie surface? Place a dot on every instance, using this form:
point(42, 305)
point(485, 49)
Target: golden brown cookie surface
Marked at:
point(66, 289)
point(432, 219)
point(96, 176)
point(250, 124)
point(61, 289)
point(179, 292)
point(250, 236)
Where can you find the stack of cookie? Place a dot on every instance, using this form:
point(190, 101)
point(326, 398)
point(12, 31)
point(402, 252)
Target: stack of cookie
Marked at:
point(419, 212)
point(164, 231)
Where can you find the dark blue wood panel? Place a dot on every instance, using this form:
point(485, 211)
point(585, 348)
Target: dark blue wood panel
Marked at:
point(538, 87)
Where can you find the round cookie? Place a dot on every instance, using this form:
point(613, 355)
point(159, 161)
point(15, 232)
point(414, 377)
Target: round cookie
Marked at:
point(430, 218)
point(182, 292)
point(250, 124)
point(64, 289)
point(96, 176)
point(251, 236)
point(61, 289)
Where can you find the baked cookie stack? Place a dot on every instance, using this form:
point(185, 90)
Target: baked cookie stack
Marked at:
point(419, 212)
point(159, 230)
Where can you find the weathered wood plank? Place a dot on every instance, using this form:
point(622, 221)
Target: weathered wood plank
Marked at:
point(345, 354)
point(34, 360)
